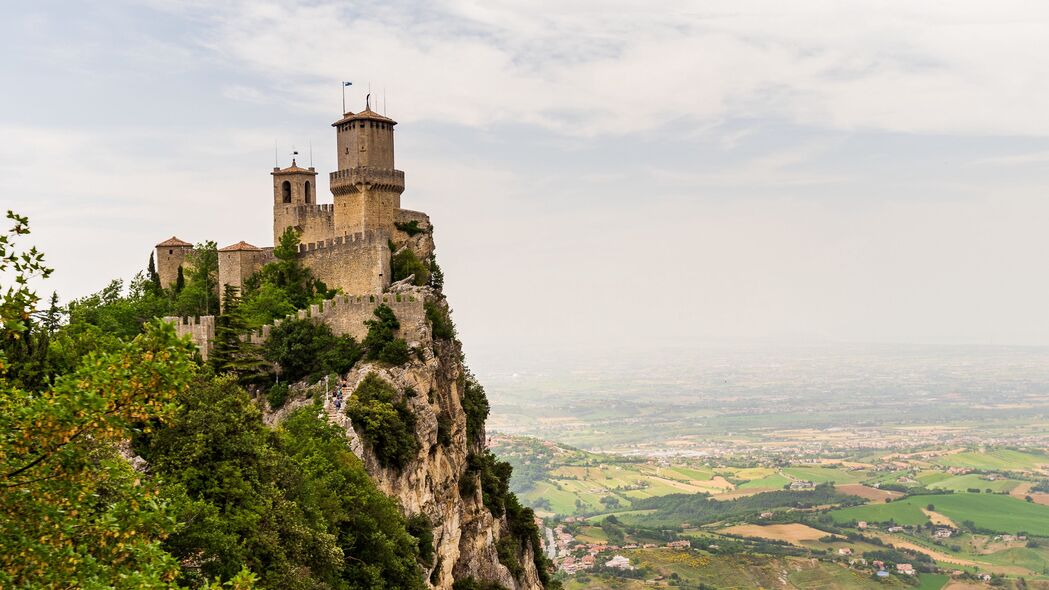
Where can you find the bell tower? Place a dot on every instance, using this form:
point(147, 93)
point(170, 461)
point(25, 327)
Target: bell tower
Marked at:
point(367, 188)
point(294, 189)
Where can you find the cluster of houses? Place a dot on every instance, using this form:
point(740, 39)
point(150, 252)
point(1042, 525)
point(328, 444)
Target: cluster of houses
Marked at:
point(567, 551)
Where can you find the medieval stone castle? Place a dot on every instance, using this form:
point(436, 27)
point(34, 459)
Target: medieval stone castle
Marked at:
point(347, 244)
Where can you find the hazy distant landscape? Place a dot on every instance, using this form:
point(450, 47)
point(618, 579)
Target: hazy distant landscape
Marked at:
point(687, 401)
point(845, 466)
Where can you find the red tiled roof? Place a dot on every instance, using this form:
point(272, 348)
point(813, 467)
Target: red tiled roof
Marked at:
point(239, 246)
point(173, 241)
point(365, 115)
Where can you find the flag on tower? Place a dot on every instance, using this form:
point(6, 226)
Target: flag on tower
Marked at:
point(345, 84)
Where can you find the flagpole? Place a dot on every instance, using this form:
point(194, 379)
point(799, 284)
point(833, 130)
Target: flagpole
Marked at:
point(344, 98)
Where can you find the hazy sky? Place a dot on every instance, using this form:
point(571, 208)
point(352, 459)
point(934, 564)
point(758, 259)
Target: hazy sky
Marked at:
point(601, 174)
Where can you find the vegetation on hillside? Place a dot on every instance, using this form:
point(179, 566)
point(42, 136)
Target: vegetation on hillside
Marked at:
point(224, 495)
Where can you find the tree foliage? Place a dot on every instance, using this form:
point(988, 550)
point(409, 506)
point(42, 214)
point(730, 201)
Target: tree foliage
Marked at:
point(405, 263)
point(282, 286)
point(382, 418)
point(381, 344)
point(308, 349)
point(292, 505)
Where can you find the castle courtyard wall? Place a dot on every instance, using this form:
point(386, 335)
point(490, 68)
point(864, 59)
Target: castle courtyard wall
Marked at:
point(359, 263)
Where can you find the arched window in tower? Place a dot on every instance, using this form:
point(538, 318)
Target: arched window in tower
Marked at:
point(285, 191)
point(309, 195)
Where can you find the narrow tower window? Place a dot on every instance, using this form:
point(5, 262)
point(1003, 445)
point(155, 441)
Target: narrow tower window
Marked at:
point(285, 190)
point(309, 197)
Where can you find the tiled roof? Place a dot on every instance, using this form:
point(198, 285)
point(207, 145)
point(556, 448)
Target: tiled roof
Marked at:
point(239, 246)
point(173, 241)
point(365, 115)
point(294, 169)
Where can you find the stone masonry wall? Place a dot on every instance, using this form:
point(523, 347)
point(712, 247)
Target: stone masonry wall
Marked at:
point(200, 329)
point(236, 266)
point(316, 222)
point(168, 259)
point(358, 263)
point(346, 314)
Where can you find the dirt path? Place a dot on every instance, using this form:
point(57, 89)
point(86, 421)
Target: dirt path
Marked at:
point(940, 519)
point(944, 557)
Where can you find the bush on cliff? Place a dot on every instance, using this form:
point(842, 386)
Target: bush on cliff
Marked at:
point(292, 504)
point(441, 325)
point(307, 349)
point(383, 420)
point(380, 344)
point(475, 404)
point(282, 283)
point(405, 263)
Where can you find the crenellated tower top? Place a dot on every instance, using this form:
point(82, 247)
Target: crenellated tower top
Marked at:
point(367, 187)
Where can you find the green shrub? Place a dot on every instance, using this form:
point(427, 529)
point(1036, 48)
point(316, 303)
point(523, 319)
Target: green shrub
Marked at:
point(409, 227)
point(380, 344)
point(383, 421)
point(304, 348)
point(475, 404)
point(508, 548)
point(406, 263)
point(396, 352)
point(441, 325)
point(444, 430)
point(277, 395)
point(420, 527)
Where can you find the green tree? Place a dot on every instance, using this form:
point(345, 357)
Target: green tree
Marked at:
point(151, 274)
point(381, 344)
point(286, 274)
point(232, 353)
point(200, 294)
point(308, 349)
point(405, 263)
point(382, 418)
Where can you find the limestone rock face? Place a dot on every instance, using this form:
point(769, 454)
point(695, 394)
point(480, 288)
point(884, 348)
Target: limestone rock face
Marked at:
point(465, 531)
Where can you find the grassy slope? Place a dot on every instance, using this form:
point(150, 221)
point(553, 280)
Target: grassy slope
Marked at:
point(1005, 459)
point(1004, 514)
point(960, 483)
point(900, 511)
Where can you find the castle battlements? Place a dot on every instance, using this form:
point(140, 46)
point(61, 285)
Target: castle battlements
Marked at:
point(363, 177)
point(345, 244)
point(352, 240)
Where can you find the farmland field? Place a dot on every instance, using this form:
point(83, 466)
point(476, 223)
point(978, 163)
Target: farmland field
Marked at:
point(961, 483)
point(1003, 514)
point(792, 533)
point(1004, 459)
point(823, 474)
point(901, 512)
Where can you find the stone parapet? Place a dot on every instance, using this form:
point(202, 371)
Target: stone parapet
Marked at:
point(200, 329)
point(355, 180)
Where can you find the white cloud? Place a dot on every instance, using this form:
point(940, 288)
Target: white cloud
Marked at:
point(614, 68)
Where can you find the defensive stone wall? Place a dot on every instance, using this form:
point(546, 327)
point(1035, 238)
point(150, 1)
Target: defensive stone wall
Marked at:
point(357, 263)
point(317, 222)
point(346, 314)
point(236, 266)
point(201, 329)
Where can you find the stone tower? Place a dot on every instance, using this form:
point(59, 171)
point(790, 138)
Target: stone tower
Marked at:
point(171, 254)
point(295, 204)
point(367, 188)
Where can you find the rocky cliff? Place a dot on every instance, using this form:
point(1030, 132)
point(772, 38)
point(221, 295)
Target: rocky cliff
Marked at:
point(477, 532)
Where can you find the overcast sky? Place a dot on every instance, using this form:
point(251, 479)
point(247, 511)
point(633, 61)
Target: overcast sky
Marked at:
point(602, 174)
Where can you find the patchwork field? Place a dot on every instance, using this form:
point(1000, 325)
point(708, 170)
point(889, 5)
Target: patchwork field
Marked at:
point(997, 459)
point(792, 533)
